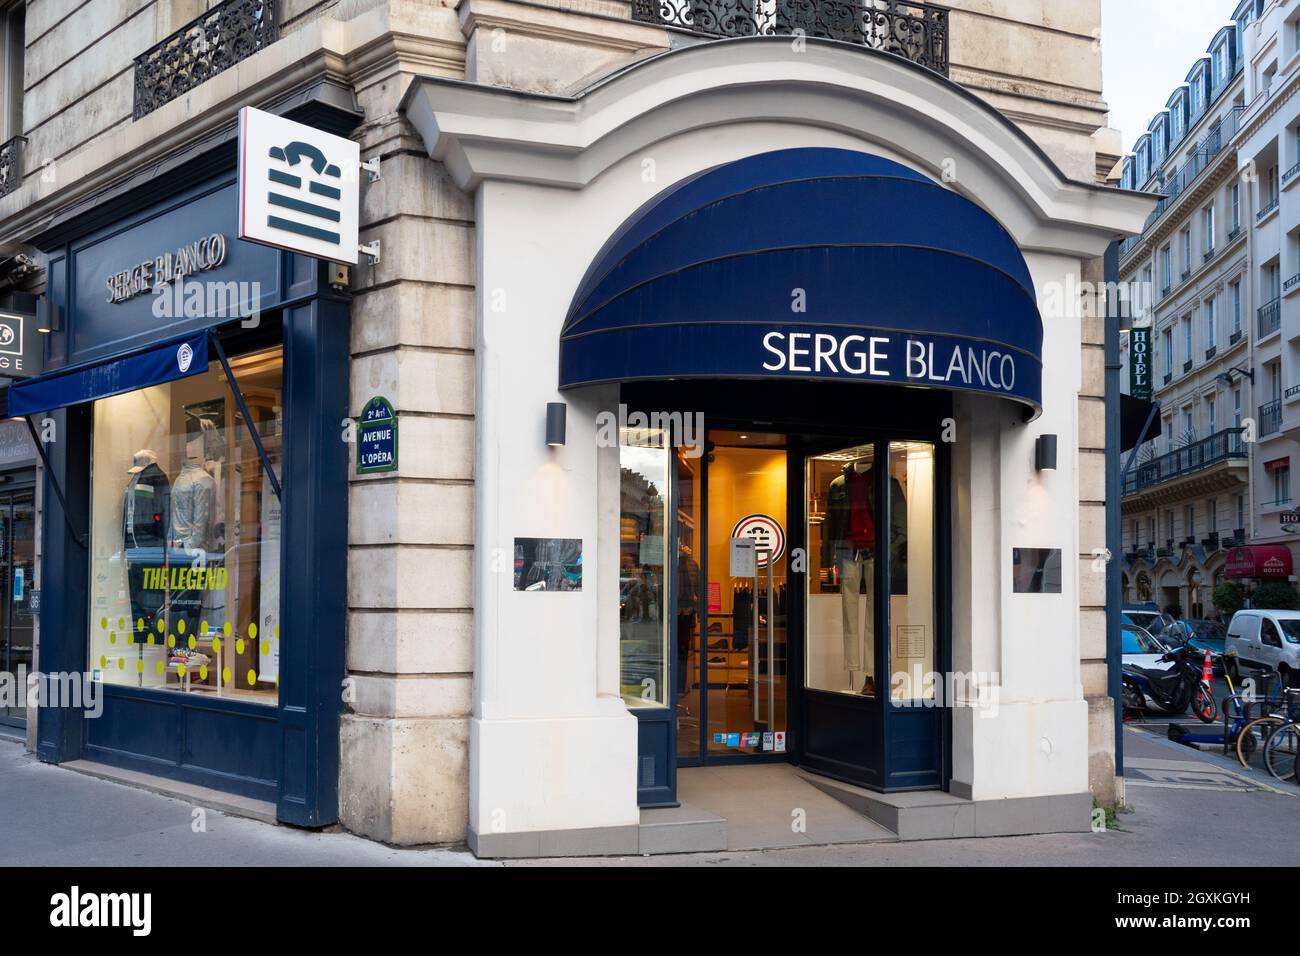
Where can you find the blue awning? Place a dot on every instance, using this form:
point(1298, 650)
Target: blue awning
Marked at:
point(176, 358)
point(812, 264)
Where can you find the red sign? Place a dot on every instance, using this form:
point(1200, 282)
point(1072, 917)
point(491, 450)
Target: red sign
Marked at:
point(715, 597)
point(1259, 561)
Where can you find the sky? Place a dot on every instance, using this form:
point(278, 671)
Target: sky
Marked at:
point(1147, 47)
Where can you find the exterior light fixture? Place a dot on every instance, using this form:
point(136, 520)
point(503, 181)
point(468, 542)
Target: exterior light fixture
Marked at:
point(47, 316)
point(555, 423)
point(1045, 453)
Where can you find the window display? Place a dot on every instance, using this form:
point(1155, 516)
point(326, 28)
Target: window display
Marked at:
point(642, 597)
point(185, 534)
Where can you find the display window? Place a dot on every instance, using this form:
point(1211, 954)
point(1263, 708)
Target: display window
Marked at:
point(642, 597)
point(185, 534)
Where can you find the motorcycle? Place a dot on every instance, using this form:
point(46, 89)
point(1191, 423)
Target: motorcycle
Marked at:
point(1172, 690)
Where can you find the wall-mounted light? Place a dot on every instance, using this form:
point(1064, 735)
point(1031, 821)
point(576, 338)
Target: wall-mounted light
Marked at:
point(47, 315)
point(1045, 453)
point(555, 423)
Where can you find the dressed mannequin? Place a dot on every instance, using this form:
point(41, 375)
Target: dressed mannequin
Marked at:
point(146, 510)
point(192, 500)
point(850, 545)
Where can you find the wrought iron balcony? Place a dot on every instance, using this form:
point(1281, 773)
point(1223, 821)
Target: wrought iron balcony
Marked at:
point(204, 47)
point(1223, 445)
point(1270, 318)
point(1270, 417)
point(1269, 206)
point(913, 30)
point(11, 165)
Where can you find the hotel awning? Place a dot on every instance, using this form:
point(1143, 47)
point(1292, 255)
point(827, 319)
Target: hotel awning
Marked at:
point(812, 264)
point(1259, 561)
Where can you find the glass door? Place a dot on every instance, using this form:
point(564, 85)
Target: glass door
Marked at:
point(732, 634)
point(17, 569)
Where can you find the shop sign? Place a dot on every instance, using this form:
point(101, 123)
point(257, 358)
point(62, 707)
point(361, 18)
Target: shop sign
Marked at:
point(1139, 363)
point(298, 187)
point(767, 535)
point(165, 268)
point(21, 348)
point(377, 438)
point(1289, 517)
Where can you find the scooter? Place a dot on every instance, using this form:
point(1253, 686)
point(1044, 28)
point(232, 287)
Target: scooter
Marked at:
point(1170, 691)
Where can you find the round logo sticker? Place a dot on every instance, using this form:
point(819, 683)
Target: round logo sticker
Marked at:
point(767, 534)
point(184, 356)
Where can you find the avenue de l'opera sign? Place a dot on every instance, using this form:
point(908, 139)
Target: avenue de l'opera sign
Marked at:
point(197, 256)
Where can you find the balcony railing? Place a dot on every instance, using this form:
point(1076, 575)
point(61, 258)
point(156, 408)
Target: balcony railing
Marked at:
point(1290, 174)
point(204, 47)
point(1211, 352)
point(1221, 446)
point(1291, 392)
point(11, 165)
point(914, 31)
point(1270, 417)
point(1235, 337)
point(1267, 208)
point(1270, 318)
point(1289, 283)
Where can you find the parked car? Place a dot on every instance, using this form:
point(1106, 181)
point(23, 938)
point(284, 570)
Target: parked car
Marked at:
point(1141, 649)
point(1265, 639)
point(1201, 635)
point(1150, 620)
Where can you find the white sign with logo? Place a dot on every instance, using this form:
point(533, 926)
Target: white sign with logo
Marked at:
point(184, 357)
point(298, 187)
point(767, 534)
point(21, 350)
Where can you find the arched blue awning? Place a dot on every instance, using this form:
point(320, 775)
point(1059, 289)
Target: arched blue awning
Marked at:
point(812, 264)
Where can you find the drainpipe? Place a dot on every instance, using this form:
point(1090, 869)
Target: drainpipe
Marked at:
point(1113, 520)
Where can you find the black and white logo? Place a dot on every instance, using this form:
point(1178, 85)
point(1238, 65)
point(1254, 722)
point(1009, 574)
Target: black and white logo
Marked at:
point(11, 335)
point(184, 357)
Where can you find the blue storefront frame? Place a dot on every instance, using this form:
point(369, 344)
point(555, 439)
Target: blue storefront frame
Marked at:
point(287, 753)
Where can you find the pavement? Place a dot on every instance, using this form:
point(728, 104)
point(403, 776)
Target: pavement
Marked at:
point(1184, 806)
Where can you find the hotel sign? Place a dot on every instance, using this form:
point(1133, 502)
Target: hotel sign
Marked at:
point(1139, 363)
point(198, 256)
point(298, 187)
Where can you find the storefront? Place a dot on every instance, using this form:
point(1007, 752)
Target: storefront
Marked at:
point(19, 598)
point(190, 415)
point(768, 415)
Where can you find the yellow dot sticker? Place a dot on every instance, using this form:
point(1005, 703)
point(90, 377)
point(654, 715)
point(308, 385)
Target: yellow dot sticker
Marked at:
point(112, 637)
point(160, 625)
point(192, 642)
point(121, 663)
point(150, 639)
point(225, 674)
point(277, 635)
point(171, 640)
point(216, 645)
point(130, 638)
point(103, 661)
point(252, 631)
point(225, 629)
point(180, 625)
point(139, 667)
point(252, 678)
point(139, 624)
point(203, 672)
point(203, 627)
point(121, 624)
point(266, 648)
point(103, 624)
point(160, 667)
point(239, 646)
point(180, 670)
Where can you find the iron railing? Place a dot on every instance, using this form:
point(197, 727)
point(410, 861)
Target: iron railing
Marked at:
point(1270, 317)
point(11, 165)
point(913, 30)
point(1223, 445)
point(1270, 417)
point(1268, 208)
point(204, 47)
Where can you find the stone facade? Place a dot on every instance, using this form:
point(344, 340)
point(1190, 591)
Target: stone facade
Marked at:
point(410, 651)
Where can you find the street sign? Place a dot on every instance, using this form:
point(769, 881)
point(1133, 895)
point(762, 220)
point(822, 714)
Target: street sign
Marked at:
point(298, 187)
point(377, 437)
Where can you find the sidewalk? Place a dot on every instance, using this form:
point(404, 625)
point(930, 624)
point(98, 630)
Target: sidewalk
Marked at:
point(1188, 807)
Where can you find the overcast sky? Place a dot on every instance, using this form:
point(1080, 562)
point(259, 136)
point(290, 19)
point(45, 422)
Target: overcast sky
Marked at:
point(1147, 47)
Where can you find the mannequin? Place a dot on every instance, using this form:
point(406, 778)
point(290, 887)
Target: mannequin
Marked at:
point(850, 545)
point(192, 501)
point(146, 511)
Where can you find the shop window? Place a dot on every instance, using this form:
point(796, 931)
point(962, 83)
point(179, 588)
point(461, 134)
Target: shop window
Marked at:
point(642, 615)
point(912, 559)
point(185, 535)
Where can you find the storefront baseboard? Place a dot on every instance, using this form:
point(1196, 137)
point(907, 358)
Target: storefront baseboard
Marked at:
point(597, 841)
point(228, 803)
point(935, 815)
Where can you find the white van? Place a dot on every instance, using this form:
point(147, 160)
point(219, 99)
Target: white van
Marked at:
point(1267, 639)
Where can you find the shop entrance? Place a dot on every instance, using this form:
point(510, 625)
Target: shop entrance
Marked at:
point(824, 646)
point(17, 571)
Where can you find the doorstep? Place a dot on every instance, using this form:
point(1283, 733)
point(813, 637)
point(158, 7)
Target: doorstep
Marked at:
point(936, 815)
point(228, 803)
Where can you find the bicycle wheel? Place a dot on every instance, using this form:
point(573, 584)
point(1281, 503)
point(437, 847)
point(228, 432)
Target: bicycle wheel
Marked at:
point(1204, 706)
point(1253, 736)
point(1280, 751)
